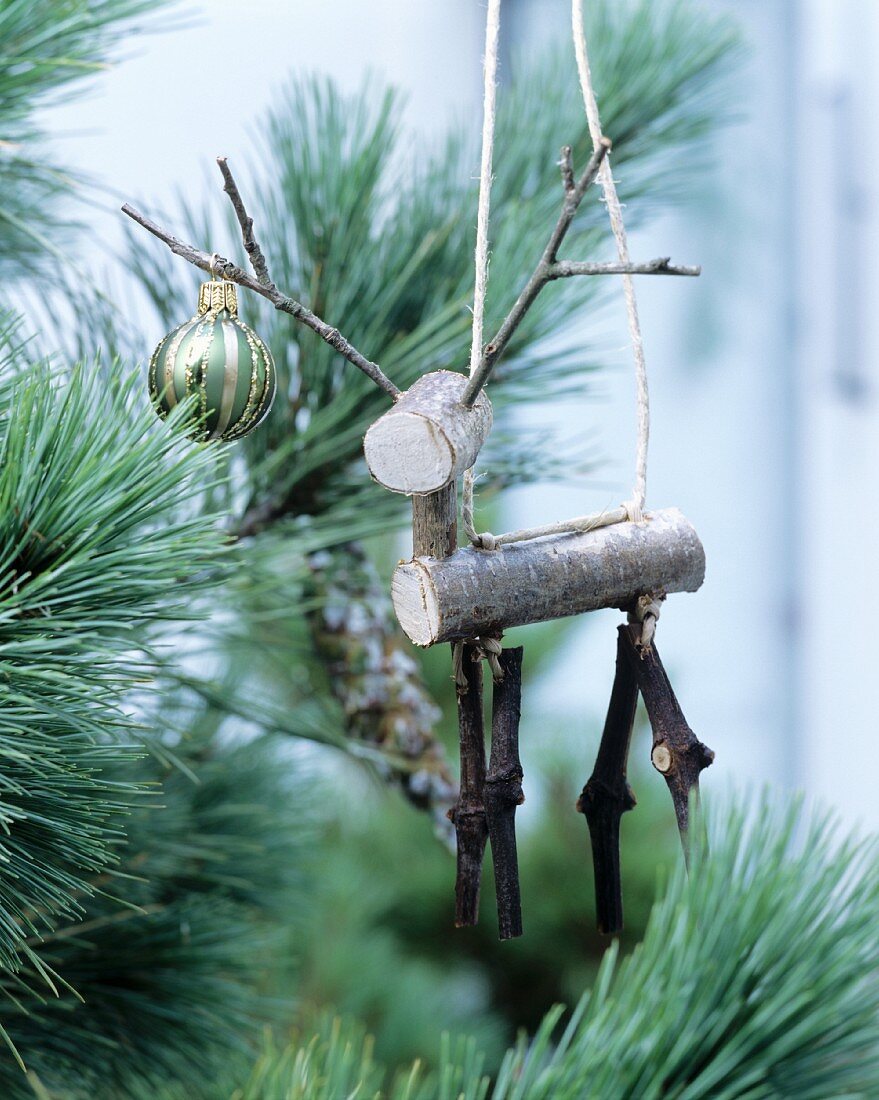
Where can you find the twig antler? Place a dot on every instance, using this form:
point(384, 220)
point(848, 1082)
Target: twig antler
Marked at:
point(262, 283)
point(551, 268)
point(251, 245)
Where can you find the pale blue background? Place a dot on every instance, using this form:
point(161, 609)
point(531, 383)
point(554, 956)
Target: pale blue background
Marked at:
point(765, 425)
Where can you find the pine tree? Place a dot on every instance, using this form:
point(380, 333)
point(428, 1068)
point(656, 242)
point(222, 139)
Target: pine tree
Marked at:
point(175, 621)
point(755, 979)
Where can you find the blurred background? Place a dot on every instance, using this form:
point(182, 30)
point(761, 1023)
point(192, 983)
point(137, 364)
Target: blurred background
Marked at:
point(765, 427)
point(764, 403)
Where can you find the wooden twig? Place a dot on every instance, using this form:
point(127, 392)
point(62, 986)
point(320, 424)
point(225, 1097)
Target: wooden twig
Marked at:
point(251, 245)
point(538, 280)
point(503, 792)
point(468, 814)
point(213, 263)
point(435, 523)
point(551, 268)
point(607, 795)
point(566, 164)
point(677, 754)
point(565, 269)
point(435, 535)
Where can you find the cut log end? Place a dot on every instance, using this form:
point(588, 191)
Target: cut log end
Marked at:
point(428, 438)
point(661, 757)
point(407, 453)
point(414, 599)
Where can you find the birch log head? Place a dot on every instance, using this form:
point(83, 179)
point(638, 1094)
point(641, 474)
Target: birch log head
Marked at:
point(474, 592)
point(429, 437)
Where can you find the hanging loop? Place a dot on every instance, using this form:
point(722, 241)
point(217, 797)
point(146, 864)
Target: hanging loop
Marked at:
point(646, 612)
point(484, 649)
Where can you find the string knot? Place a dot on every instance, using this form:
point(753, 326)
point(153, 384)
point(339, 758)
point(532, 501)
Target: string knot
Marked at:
point(634, 514)
point(646, 612)
point(482, 649)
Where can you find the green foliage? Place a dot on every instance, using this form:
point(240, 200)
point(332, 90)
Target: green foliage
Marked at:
point(182, 966)
point(756, 978)
point(337, 1061)
point(50, 48)
point(99, 546)
point(419, 976)
point(169, 890)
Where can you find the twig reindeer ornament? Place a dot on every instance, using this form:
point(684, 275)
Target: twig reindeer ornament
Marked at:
point(625, 558)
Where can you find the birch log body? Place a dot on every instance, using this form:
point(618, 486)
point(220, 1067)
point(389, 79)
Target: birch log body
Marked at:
point(474, 592)
point(428, 438)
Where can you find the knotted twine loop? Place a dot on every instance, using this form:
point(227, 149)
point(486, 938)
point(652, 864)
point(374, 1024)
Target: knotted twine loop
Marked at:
point(634, 514)
point(646, 612)
point(484, 649)
point(484, 540)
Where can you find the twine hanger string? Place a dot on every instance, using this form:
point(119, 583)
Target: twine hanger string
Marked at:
point(632, 509)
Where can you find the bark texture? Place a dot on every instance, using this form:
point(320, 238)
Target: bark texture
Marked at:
point(428, 438)
point(503, 792)
point(484, 592)
point(435, 523)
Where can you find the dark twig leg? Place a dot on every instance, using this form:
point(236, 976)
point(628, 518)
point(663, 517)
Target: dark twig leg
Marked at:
point(503, 792)
point(677, 753)
point(607, 795)
point(468, 813)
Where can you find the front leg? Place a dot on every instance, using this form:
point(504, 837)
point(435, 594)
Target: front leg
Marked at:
point(468, 813)
point(607, 795)
point(503, 792)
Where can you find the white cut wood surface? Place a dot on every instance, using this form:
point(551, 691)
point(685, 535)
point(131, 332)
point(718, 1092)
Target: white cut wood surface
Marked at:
point(482, 592)
point(428, 438)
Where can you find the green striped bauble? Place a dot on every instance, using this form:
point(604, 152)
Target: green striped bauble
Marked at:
point(217, 357)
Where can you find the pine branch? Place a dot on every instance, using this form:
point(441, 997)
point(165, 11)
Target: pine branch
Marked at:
point(755, 968)
point(168, 965)
point(100, 548)
point(50, 54)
